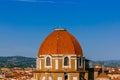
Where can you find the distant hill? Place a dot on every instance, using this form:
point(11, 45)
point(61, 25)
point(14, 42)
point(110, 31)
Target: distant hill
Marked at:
point(23, 62)
point(107, 63)
point(17, 61)
point(112, 61)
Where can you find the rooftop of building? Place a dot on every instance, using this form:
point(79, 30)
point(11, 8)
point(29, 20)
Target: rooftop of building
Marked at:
point(60, 41)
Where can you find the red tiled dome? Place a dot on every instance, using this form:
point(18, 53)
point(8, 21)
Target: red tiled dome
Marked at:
point(60, 42)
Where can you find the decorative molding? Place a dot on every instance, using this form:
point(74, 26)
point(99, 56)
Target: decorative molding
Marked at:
point(62, 29)
point(40, 63)
point(74, 78)
point(58, 55)
point(59, 78)
point(75, 64)
point(56, 64)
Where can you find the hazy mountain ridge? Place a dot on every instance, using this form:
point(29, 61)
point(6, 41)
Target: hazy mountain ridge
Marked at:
point(106, 63)
point(23, 62)
point(17, 61)
point(111, 61)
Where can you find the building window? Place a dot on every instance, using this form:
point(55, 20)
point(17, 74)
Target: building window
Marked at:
point(66, 76)
point(59, 78)
point(80, 62)
point(80, 59)
point(48, 61)
point(74, 78)
point(50, 78)
point(43, 78)
point(66, 61)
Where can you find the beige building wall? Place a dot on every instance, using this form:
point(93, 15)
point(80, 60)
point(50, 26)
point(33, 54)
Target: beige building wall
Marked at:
point(72, 65)
point(57, 69)
point(95, 75)
point(55, 76)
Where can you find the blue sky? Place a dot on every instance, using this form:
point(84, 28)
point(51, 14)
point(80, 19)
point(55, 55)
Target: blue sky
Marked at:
point(95, 23)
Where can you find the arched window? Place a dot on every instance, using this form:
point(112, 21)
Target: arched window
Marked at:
point(43, 78)
point(66, 76)
point(66, 61)
point(50, 78)
point(48, 61)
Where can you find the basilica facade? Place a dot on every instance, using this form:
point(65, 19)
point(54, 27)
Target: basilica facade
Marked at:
point(60, 57)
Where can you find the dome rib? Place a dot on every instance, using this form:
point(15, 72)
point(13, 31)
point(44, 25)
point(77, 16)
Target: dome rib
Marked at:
point(73, 44)
point(76, 44)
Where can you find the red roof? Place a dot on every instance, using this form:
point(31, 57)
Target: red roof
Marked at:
point(103, 75)
point(116, 79)
point(60, 42)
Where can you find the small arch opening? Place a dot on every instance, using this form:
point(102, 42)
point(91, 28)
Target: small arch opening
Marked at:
point(66, 61)
point(48, 61)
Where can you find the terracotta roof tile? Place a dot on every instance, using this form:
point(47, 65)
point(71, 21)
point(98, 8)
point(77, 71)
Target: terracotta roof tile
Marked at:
point(102, 75)
point(60, 42)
